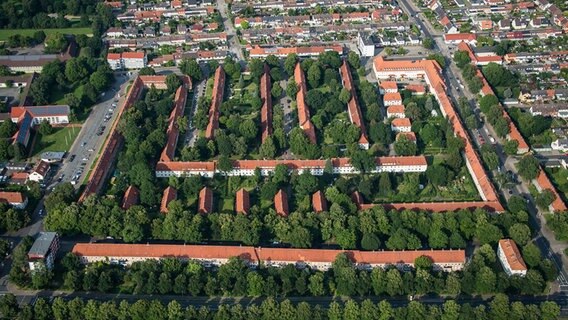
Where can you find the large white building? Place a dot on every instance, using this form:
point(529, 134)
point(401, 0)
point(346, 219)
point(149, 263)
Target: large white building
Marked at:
point(511, 258)
point(127, 60)
point(43, 251)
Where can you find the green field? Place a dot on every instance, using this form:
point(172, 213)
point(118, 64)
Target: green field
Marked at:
point(6, 33)
point(60, 140)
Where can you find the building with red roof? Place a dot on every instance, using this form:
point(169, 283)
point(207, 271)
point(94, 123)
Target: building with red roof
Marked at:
point(127, 60)
point(355, 115)
point(409, 135)
point(217, 99)
point(396, 111)
point(281, 203)
point(303, 109)
point(131, 197)
point(205, 205)
point(479, 60)
point(214, 256)
point(388, 87)
point(242, 201)
point(16, 199)
point(170, 194)
point(455, 38)
point(542, 182)
point(511, 258)
point(283, 52)
point(40, 171)
point(172, 133)
point(416, 89)
point(401, 125)
point(266, 109)
point(392, 98)
point(319, 202)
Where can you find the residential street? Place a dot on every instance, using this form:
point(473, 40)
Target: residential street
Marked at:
point(234, 45)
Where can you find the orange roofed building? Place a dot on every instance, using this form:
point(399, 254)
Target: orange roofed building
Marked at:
point(214, 256)
point(170, 194)
point(388, 87)
point(353, 105)
point(543, 183)
point(16, 199)
point(319, 203)
point(242, 201)
point(266, 109)
point(303, 109)
point(281, 203)
point(511, 258)
point(217, 99)
point(131, 197)
point(205, 205)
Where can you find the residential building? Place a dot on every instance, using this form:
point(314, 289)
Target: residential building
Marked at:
point(242, 201)
point(218, 93)
point(456, 38)
point(170, 194)
point(355, 115)
point(205, 204)
point(319, 202)
point(16, 199)
point(396, 111)
point(510, 258)
point(43, 251)
point(391, 99)
point(401, 125)
point(552, 110)
point(127, 60)
point(52, 157)
point(411, 136)
point(303, 109)
point(215, 256)
point(365, 44)
point(131, 197)
point(388, 87)
point(281, 203)
point(40, 171)
point(542, 182)
point(266, 109)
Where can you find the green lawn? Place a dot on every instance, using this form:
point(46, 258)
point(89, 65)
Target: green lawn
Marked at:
point(6, 33)
point(60, 140)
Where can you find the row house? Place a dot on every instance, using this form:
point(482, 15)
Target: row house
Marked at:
point(511, 258)
point(212, 256)
point(550, 110)
point(268, 167)
point(543, 95)
point(282, 52)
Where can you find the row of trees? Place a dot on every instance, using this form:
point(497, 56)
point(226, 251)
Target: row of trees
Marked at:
point(469, 71)
point(77, 309)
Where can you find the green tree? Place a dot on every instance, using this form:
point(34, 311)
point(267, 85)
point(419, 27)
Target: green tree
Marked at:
point(370, 242)
point(461, 58)
point(292, 89)
point(267, 148)
point(544, 199)
point(173, 82)
point(404, 146)
point(532, 255)
point(55, 42)
point(428, 43)
point(45, 128)
point(511, 147)
point(314, 75)
point(528, 167)
point(148, 71)
point(437, 174)
point(191, 68)
point(520, 233)
point(290, 63)
point(423, 262)
point(245, 24)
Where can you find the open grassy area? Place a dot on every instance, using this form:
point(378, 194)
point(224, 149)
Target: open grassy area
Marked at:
point(60, 140)
point(6, 33)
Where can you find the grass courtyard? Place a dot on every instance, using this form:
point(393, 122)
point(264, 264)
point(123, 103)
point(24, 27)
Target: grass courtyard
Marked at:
point(60, 140)
point(7, 33)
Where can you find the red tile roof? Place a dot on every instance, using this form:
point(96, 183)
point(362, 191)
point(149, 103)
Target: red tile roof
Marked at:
point(303, 110)
point(255, 255)
point(512, 254)
point(266, 110)
point(397, 108)
point(418, 88)
point(173, 130)
point(388, 85)
point(301, 51)
point(544, 183)
point(218, 92)
point(281, 203)
point(12, 197)
point(353, 105)
point(460, 37)
point(130, 197)
point(409, 135)
point(392, 96)
point(170, 194)
point(319, 203)
point(113, 56)
point(401, 122)
point(205, 201)
point(242, 203)
point(133, 55)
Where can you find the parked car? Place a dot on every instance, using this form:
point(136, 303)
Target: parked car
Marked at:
point(71, 158)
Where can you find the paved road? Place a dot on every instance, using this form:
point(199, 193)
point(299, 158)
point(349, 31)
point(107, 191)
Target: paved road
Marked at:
point(192, 132)
point(234, 45)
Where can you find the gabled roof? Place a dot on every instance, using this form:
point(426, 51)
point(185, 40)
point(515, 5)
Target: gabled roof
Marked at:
point(281, 203)
point(397, 108)
point(41, 111)
point(218, 92)
point(392, 96)
point(544, 183)
point(205, 201)
point(12, 197)
point(130, 197)
point(170, 194)
point(242, 201)
point(512, 255)
point(319, 203)
point(353, 105)
point(388, 85)
point(41, 168)
point(401, 122)
point(303, 110)
point(266, 109)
